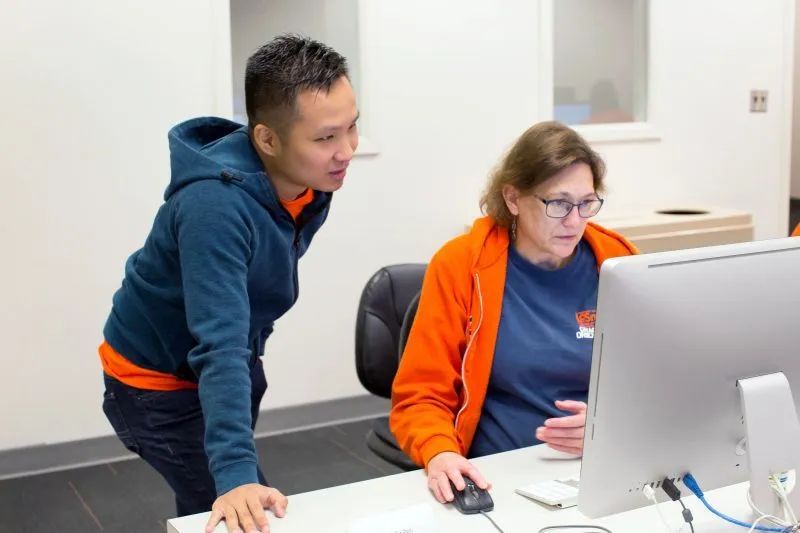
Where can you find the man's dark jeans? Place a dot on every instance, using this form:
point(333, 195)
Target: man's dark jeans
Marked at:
point(165, 428)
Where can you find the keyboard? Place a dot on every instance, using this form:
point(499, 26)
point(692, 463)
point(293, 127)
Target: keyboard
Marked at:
point(559, 493)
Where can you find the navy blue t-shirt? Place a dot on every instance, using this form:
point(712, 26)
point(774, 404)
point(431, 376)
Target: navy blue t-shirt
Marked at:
point(543, 350)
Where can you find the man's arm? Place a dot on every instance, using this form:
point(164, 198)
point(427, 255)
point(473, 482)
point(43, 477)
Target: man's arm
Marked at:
point(214, 246)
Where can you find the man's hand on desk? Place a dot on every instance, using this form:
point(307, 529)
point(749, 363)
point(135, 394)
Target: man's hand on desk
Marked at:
point(242, 509)
point(448, 466)
point(565, 434)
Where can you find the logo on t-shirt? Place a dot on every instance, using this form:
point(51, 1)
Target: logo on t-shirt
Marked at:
point(585, 320)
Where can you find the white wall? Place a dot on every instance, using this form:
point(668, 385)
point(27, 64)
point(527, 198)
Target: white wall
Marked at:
point(86, 107)
point(795, 183)
point(89, 90)
point(713, 151)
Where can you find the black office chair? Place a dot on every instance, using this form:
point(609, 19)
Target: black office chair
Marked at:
point(408, 321)
point(382, 309)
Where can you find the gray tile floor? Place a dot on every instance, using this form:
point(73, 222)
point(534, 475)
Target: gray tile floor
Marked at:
point(129, 497)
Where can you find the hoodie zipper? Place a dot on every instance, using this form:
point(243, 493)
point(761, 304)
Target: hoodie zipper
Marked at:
point(228, 177)
point(298, 229)
point(472, 336)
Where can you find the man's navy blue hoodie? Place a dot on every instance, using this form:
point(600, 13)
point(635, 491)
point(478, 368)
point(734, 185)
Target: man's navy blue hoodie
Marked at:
point(218, 268)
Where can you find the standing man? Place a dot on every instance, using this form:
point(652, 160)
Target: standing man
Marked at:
point(182, 344)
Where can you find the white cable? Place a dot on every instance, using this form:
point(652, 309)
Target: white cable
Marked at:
point(466, 351)
point(775, 520)
point(788, 517)
point(763, 517)
point(781, 491)
point(787, 509)
point(791, 478)
point(650, 494)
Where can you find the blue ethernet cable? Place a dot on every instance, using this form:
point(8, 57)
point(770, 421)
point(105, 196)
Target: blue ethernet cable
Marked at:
point(691, 484)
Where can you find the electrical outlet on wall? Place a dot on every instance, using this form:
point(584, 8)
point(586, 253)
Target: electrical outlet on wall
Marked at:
point(758, 101)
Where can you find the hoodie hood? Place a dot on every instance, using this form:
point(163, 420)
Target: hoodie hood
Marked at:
point(216, 148)
point(489, 242)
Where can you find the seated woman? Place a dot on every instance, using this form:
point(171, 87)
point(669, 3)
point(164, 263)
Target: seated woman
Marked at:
point(499, 354)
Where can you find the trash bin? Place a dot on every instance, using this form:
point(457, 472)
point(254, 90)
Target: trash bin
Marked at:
point(679, 228)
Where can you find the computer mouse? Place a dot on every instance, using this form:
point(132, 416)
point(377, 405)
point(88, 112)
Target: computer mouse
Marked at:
point(472, 499)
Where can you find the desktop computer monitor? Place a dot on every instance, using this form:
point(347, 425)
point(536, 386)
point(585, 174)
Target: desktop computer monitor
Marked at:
point(696, 354)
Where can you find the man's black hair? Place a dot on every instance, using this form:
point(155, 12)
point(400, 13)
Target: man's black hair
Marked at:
point(278, 71)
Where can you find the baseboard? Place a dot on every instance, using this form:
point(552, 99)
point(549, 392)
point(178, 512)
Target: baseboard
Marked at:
point(34, 460)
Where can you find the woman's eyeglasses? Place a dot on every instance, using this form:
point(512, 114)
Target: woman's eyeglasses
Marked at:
point(562, 208)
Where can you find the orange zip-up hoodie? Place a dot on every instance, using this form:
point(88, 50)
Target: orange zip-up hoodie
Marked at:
point(796, 232)
point(438, 393)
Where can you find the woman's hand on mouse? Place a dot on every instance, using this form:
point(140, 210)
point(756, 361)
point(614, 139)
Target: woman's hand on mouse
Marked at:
point(450, 466)
point(565, 434)
point(242, 509)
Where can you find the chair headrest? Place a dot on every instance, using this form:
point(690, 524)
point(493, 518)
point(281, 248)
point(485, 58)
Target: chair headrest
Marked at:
point(381, 310)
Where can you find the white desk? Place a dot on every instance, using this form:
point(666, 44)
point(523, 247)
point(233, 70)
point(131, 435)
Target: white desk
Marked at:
point(330, 510)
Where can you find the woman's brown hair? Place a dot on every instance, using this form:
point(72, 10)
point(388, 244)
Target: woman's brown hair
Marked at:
point(544, 150)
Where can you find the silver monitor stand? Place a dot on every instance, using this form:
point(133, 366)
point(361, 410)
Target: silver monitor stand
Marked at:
point(770, 448)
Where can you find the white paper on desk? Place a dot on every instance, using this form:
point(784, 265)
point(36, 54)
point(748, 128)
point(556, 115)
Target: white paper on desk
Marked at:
point(414, 519)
